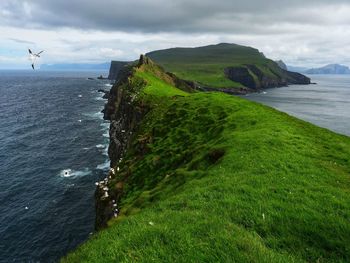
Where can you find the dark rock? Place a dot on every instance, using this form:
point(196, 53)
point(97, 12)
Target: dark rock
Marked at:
point(297, 78)
point(106, 93)
point(240, 75)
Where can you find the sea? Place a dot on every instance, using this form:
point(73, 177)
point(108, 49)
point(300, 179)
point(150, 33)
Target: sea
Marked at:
point(326, 103)
point(53, 148)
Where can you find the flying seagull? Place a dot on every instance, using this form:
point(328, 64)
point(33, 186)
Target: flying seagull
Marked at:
point(34, 56)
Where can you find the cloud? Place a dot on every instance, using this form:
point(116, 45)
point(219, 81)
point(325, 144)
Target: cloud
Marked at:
point(21, 41)
point(174, 16)
point(305, 33)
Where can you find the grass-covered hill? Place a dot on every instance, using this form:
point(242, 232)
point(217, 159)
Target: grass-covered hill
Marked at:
point(210, 177)
point(226, 66)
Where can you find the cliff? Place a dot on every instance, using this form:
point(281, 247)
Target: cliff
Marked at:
point(115, 67)
point(254, 78)
point(125, 110)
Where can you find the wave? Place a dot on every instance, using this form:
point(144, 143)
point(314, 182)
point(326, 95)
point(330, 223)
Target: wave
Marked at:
point(105, 125)
point(100, 146)
point(106, 134)
point(98, 115)
point(108, 85)
point(71, 173)
point(100, 98)
point(103, 166)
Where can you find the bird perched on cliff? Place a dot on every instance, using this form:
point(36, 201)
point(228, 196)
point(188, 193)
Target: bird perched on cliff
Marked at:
point(34, 56)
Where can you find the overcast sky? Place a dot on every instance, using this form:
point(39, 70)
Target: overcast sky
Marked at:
point(300, 32)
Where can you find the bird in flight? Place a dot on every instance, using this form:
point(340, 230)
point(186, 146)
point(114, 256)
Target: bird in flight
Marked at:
point(34, 56)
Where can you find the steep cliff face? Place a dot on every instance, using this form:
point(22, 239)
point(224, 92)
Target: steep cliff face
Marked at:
point(115, 67)
point(254, 78)
point(125, 110)
point(124, 115)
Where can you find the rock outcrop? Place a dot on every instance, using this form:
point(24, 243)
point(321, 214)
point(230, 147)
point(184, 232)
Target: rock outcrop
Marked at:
point(281, 64)
point(114, 69)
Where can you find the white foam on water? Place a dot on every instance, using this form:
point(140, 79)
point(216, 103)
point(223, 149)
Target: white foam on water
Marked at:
point(71, 173)
point(108, 85)
point(100, 98)
point(106, 134)
point(103, 166)
point(105, 125)
point(104, 148)
point(105, 151)
point(98, 115)
point(80, 95)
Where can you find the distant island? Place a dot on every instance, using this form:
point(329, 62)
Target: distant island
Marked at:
point(225, 67)
point(76, 66)
point(328, 69)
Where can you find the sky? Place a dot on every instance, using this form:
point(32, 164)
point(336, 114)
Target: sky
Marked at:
point(307, 33)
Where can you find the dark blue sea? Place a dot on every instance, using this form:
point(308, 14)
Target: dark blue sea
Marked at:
point(326, 104)
point(53, 148)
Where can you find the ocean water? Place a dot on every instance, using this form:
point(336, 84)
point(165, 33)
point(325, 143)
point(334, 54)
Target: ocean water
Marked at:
point(326, 104)
point(53, 148)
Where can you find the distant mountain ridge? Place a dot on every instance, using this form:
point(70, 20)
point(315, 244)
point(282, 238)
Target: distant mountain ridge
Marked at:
point(76, 66)
point(330, 69)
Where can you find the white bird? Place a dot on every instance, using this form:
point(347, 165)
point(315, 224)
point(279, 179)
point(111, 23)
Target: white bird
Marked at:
point(34, 56)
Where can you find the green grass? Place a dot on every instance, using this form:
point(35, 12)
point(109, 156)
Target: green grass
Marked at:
point(157, 87)
point(206, 65)
point(215, 178)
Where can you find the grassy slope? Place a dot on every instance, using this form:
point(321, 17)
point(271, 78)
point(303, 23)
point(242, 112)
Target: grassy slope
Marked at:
point(280, 192)
point(206, 65)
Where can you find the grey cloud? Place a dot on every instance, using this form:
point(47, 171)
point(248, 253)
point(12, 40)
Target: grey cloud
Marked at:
point(21, 41)
point(255, 16)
